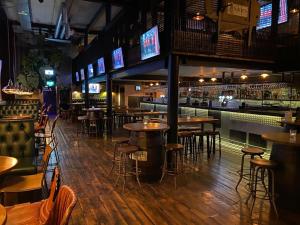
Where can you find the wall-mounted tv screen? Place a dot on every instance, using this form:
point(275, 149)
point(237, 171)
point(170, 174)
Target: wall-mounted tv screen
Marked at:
point(138, 87)
point(117, 58)
point(90, 70)
point(94, 88)
point(82, 74)
point(265, 19)
point(150, 43)
point(101, 66)
point(49, 72)
point(77, 77)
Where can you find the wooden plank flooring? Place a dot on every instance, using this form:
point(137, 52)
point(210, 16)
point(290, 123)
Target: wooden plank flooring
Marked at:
point(205, 194)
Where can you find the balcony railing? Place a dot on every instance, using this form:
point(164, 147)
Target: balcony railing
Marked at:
point(201, 37)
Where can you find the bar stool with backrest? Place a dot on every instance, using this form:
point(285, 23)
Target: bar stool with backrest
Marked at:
point(176, 167)
point(259, 167)
point(117, 141)
point(83, 120)
point(37, 212)
point(252, 152)
point(93, 123)
point(127, 152)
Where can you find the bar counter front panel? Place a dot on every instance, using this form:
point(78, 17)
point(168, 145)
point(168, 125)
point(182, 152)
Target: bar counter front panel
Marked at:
point(236, 127)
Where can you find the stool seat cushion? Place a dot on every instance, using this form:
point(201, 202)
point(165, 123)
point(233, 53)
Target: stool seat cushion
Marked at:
point(82, 117)
point(170, 147)
point(120, 140)
point(253, 150)
point(263, 163)
point(128, 149)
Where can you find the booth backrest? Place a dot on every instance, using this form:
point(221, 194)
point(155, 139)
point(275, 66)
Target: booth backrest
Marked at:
point(17, 138)
point(30, 109)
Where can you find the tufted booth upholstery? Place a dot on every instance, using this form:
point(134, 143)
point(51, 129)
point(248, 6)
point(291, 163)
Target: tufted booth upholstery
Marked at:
point(8, 110)
point(17, 140)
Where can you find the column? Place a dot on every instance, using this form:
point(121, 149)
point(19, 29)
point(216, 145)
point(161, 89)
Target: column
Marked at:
point(173, 76)
point(109, 102)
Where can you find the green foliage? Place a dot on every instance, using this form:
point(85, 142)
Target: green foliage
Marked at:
point(30, 75)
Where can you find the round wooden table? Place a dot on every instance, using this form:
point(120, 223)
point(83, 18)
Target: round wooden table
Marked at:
point(286, 152)
point(2, 215)
point(148, 136)
point(7, 163)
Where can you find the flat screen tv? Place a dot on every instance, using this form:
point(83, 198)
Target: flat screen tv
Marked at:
point(82, 74)
point(77, 77)
point(150, 43)
point(94, 88)
point(90, 70)
point(101, 66)
point(117, 58)
point(265, 19)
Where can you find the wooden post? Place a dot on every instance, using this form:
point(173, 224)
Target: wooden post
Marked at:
point(109, 102)
point(173, 75)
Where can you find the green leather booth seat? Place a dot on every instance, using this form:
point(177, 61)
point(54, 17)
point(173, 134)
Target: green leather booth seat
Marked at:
point(24, 102)
point(17, 140)
point(8, 110)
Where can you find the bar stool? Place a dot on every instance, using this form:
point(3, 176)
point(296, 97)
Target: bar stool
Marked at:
point(127, 152)
point(117, 142)
point(258, 167)
point(83, 124)
point(176, 151)
point(252, 152)
point(212, 135)
point(93, 124)
point(186, 139)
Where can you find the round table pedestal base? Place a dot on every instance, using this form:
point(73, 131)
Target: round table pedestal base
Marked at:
point(150, 160)
point(287, 176)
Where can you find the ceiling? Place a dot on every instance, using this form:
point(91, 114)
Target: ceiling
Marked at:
point(43, 15)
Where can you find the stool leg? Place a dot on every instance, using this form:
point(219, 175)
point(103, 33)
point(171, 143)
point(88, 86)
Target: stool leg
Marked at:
point(164, 167)
point(137, 171)
point(124, 171)
point(255, 188)
point(241, 172)
point(119, 172)
point(220, 145)
point(273, 191)
point(252, 168)
point(114, 160)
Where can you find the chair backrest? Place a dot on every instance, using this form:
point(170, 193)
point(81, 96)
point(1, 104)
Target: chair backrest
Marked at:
point(47, 205)
point(63, 207)
point(54, 124)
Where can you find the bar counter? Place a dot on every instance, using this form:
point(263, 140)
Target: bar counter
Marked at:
point(238, 126)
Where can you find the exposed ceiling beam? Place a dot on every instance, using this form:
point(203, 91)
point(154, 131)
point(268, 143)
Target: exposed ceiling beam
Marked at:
point(48, 26)
point(96, 16)
point(122, 3)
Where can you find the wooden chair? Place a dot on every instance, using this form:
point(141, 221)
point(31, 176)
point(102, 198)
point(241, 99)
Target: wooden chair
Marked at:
point(17, 184)
point(34, 213)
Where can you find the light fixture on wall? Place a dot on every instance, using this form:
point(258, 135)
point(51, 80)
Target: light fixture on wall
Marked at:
point(201, 80)
point(264, 75)
point(244, 76)
point(151, 84)
point(294, 11)
point(156, 84)
point(213, 79)
point(198, 17)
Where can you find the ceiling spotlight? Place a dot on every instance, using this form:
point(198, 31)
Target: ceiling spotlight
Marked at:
point(156, 84)
point(198, 17)
point(213, 79)
point(264, 75)
point(244, 77)
point(151, 84)
point(201, 80)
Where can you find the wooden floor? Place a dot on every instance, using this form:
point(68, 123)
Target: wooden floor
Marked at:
point(205, 194)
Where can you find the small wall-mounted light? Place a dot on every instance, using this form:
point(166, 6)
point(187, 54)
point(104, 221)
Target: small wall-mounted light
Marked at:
point(198, 17)
point(294, 11)
point(201, 80)
point(244, 77)
point(156, 84)
point(264, 75)
point(213, 79)
point(151, 84)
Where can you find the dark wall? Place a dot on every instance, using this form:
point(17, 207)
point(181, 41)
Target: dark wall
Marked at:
point(7, 49)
